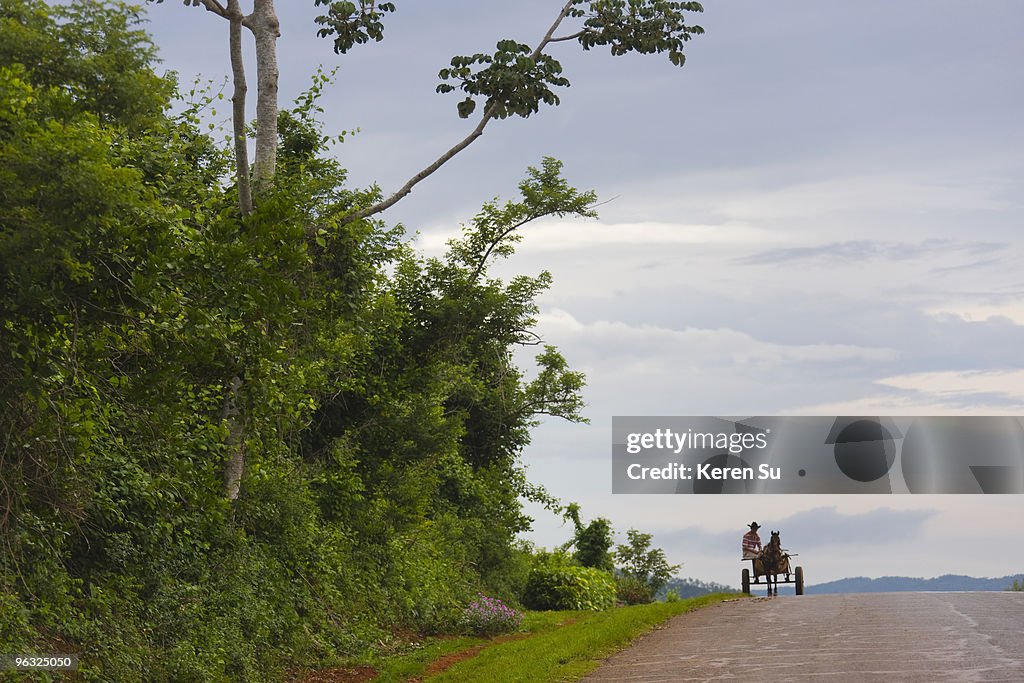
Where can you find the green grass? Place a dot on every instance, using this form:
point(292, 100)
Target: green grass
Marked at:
point(399, 668)
point(566, 645)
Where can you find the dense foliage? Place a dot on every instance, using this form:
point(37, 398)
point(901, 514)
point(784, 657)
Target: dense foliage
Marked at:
point(557, 583)
point(149, 330)
point(593, 541)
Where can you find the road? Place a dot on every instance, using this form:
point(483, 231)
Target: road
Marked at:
point(865, 637)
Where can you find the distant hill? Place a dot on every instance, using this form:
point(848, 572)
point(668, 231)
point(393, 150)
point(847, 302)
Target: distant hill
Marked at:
point(888, 584)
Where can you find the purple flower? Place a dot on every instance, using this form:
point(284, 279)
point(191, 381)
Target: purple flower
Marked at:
point(490, 616)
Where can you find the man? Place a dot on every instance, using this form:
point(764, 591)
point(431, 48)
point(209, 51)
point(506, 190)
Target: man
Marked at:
point(752, 542)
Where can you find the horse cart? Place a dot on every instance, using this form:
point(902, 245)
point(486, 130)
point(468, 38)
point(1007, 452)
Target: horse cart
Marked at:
point(773, 562)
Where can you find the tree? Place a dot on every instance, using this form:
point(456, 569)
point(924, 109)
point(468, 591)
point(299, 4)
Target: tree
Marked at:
point(644, 564)
point(514, 80)
point(593, 542)
point(441, 395)
point(381, 411)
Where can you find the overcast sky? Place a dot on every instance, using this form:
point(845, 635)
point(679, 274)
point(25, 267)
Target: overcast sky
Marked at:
point(819, 214)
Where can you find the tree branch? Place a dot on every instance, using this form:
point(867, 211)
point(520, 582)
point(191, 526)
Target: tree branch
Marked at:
point(574, 36)
point(213, 6)
point(483, 259)
point(537, 339)
point(488, 114)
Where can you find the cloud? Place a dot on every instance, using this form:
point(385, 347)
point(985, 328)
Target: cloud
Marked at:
point(1006, 383)
point(973, 265)
point(883, 404)
point(877, 192)
point(564, 235)
point(833, 194)
point(826, 526)
point(816, 528)
point(864, 250)
point(943, 392)
point(664, 347)
point(973, 310)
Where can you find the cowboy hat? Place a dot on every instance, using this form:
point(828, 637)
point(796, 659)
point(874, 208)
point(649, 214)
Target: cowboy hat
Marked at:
point(754, 526)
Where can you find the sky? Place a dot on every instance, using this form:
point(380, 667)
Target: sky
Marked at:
point(820, 214)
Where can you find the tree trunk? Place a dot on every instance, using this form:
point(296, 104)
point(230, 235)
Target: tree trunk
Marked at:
point(266, 29)
point(238, 109)
point(236, 440)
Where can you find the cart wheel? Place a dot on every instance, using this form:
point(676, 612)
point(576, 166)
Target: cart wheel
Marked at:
point(799, 580)
point(746, 581)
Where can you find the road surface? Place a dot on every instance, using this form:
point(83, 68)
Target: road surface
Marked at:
point(865, 637)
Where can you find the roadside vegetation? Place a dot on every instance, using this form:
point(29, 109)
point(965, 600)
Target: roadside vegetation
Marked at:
point(245, 430)
point(551, 646)
point(572, 650)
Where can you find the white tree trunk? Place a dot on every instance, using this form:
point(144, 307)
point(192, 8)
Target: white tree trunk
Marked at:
point(231, 414)
point(238, 108)
point(266, 29)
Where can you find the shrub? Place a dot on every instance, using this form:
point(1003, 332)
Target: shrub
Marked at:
point(555, 583)
point(489, 617)
point(632, 591)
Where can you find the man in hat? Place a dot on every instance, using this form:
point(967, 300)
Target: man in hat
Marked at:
point(752, 542)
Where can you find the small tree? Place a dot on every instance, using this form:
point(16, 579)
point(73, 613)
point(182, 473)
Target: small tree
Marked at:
point(593, 542)
point(642, 564)
point(1017, 586)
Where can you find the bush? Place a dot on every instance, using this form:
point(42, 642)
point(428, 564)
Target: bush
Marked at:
point(555, 583)
point(489, 617)
point(632, 591)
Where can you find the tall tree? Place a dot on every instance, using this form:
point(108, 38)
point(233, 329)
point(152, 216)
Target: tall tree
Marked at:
point(380, 401)
point(514, 80)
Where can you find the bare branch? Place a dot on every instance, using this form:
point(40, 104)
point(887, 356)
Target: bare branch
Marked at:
point(488, 114)
point(211, 6)
point(537, 339)
point(412, 182)
point(551, 31)
point(574, 36)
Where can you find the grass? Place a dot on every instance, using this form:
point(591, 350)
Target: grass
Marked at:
point(397, 668)
point(566, 645)
point(400, 668)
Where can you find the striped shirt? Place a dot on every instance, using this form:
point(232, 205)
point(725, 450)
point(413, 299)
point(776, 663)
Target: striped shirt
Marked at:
point(751, 542)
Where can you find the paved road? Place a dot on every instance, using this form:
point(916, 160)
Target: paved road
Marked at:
point(867, 637)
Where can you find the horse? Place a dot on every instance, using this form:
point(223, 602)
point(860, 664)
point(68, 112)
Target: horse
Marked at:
point(773, 561)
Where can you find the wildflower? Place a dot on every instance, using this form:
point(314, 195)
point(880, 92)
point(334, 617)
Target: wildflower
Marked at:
point(488, 616)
